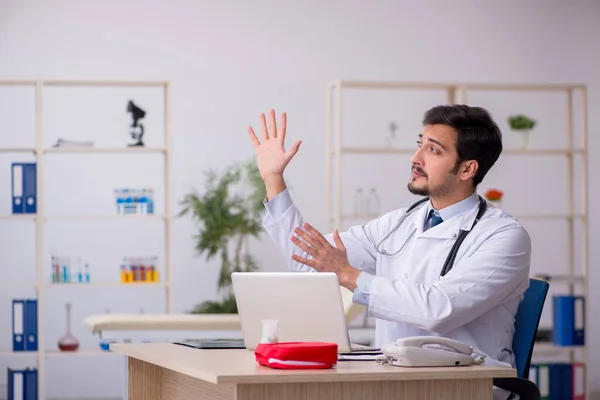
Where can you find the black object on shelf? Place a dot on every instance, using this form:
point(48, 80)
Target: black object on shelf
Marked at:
point(137, 129)
point(544, 335)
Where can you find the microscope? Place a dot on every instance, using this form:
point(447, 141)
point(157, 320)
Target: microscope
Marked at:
point(137, 129)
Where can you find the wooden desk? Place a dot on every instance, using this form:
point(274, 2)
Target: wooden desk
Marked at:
point(172, 372)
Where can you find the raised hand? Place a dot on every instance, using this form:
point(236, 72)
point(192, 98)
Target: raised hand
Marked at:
point(272, 158)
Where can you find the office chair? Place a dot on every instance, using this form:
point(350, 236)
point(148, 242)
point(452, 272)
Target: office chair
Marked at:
point(526, 325)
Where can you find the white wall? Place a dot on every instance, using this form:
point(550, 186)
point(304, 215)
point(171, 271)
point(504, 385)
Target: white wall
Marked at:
point(230, 61)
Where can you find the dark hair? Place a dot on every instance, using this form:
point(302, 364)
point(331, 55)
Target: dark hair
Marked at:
point(478, 136)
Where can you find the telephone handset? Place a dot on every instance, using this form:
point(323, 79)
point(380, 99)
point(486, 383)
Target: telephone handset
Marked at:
point(415, 352)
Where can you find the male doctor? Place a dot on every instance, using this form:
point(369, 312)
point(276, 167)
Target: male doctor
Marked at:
point(396, 271)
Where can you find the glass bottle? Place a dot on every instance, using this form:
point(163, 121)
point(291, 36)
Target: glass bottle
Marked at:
point(119, 200)
point(269, 331)
point(68, 342)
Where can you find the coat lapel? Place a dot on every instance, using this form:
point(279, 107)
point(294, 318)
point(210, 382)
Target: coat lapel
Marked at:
point(418, 219)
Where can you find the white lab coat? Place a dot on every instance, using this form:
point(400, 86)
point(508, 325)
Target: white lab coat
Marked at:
point(474, 303)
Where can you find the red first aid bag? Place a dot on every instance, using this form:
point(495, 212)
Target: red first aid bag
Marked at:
point(297, 355)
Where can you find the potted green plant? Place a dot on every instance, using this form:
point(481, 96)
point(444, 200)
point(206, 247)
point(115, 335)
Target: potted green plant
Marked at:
point(228, 214)
point(522, 124)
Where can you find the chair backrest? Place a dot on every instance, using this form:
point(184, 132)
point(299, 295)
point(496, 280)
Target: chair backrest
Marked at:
point(526, 324)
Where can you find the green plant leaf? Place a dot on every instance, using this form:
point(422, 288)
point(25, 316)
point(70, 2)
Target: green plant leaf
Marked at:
point(521, 122)
point(225, 306)
point(227, 213)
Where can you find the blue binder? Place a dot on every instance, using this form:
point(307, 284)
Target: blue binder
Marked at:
point(31, 325)
point(22, 384)
point(17, 189)
point(561, 381)
point(24, 188)
point(568, 320)
point(24, 325)
point(31, 384)
point(16, 384)
point(18, 325)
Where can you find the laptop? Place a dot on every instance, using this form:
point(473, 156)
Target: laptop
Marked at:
point(307, 305)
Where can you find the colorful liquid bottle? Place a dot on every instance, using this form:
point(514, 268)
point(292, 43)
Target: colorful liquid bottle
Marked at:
point(124, 274)
point(68, 342)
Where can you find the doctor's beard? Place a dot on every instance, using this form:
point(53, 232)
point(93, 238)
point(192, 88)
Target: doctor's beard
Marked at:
point(440, 190)
point(419, 191)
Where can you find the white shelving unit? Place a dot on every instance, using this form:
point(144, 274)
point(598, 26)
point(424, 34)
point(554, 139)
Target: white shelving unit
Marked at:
point(40, 218)
point(457, 92)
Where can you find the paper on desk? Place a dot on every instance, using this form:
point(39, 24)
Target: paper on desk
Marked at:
point(358, 357)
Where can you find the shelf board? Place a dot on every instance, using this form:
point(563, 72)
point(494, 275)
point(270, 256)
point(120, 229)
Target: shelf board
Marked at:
point(16, 217)
point(103, 82)
point(545, 87)
point(372, 84)
point(84, 150)
point(79, 353)
point(384, 150)
point(374, 150)
point(22, 284)
point(17, 82)
point(540, 348)
point(117, 217)
point(58, 353)
point(391, 85)
point(548, 216)
point(105, 150)
point(84, 82)
point(17, 284)
point(17, 150)
point(103, 284)
point(33, 217)
point(17, 353)
point(560, 278)
point(543, 151)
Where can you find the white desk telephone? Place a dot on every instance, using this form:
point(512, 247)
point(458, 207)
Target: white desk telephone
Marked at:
point(415, 352)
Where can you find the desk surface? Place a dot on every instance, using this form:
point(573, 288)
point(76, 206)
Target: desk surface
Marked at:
point(239, 366)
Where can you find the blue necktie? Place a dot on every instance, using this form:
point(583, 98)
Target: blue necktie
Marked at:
point(435, 220)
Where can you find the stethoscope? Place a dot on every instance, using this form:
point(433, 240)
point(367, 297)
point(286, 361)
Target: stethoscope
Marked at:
point(461, 235)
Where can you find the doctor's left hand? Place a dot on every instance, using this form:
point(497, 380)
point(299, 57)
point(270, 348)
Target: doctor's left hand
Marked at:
point(325, 257)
